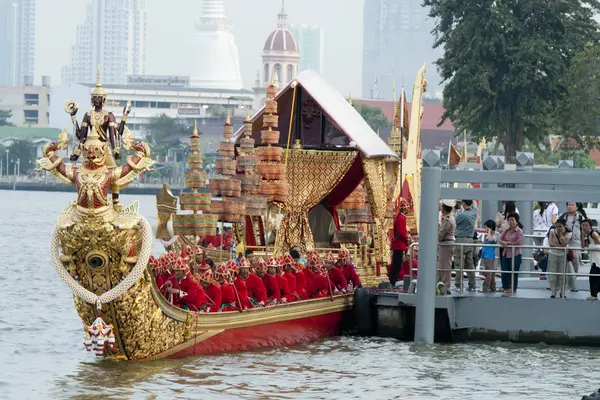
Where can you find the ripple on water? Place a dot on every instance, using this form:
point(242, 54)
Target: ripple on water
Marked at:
point(42, 356)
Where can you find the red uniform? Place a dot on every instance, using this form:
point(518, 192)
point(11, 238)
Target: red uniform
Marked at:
point(164, 278)
point(405, 270)
point(300, 284)
point(351, 275)
point(195, 297)
point(213, 294)
point(400, 238)
point(284, 286)
point(256, 288)
point(309, 275)
point(213, 240)
point(338, 279)
point(228, 297)
point(291, 280)
point(272, 286)
point(242, 290)
point(318, 287)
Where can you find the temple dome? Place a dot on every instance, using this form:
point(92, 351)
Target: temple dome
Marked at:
point(216, 62)
point(281, 39)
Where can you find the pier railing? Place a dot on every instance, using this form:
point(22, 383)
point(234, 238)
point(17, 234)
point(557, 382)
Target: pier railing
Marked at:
point(512, 272)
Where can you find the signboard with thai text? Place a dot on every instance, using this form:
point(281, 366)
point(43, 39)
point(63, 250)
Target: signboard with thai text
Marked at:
point(158, 80)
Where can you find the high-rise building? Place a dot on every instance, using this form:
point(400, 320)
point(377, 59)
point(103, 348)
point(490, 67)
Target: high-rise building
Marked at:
point(113, 36)
point(217, 62)
point(311, 41)
point(17, 42)
point(397, 34)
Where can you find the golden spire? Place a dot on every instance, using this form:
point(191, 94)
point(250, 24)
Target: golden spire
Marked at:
point(228, 120)
point(195, 134)
point(98, 90)
point(350, 99)
point(248, 117)
point(272, 80)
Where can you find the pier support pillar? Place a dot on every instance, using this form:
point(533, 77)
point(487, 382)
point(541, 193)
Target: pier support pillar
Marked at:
point(431, 177)
point(563, 164)
point(489, 208)
point(525, 163)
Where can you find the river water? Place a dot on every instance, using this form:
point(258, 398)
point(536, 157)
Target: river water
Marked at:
point(42, 356)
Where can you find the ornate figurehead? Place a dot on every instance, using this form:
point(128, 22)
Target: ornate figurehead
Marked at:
point(94, 151)
point(98, 95)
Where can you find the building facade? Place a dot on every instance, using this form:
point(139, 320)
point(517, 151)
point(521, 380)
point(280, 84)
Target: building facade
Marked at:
point(280, 59)
point(17, 42)
point(311, 43)
point(29, 105)
point(397, 34)
point(151, 97)
point(113, 36)
point(217, 62)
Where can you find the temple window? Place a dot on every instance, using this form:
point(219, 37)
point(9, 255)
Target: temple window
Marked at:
point(277, 72)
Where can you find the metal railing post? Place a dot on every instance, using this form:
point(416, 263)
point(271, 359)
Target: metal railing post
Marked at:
point(462, 266)
point(512, 274)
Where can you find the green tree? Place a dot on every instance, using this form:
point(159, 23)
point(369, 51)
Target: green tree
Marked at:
point(24, 152)
point(504, 62)
point(579, 115)
point(163, 126)
point(543, 155)
point(374, 117)
point(5, 115)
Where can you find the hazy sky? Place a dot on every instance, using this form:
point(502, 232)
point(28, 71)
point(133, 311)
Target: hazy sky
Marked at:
point(171, 35)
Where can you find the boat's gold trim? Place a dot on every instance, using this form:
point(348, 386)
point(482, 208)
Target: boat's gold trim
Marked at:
point(199, 338)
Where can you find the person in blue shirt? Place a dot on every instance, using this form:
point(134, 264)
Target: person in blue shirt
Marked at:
point(488, 257)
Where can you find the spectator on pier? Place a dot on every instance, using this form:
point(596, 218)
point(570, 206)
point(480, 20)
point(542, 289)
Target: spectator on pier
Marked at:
point(558, 239)
point(540, 227)
point(591, 241)
point(508, 208)
point(463, 255)
point(488, 257)
point(573, 218)
point(511, 236)
point(551, 214)
point(446, 230)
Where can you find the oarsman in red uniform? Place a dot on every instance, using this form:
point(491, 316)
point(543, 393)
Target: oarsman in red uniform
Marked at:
point(400, 239)
point(300, 281)
point(312, 265)
point(187, 293)
point(228, 297)
point(284, 285)
point(340, 284)
point(212, 290)
point(165, 277)
point(320, 285)
point(289, 270)
point(240, 284)
point(348, 269)
point(271, 282)
point(256, 291)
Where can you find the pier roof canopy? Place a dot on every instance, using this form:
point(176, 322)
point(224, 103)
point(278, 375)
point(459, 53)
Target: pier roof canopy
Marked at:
point(322, 119)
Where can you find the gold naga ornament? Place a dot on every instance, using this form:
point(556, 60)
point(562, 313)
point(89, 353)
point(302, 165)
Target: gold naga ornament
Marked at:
point(99, 252)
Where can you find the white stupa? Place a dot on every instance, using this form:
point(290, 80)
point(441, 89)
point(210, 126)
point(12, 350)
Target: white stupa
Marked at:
point(216, 62)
